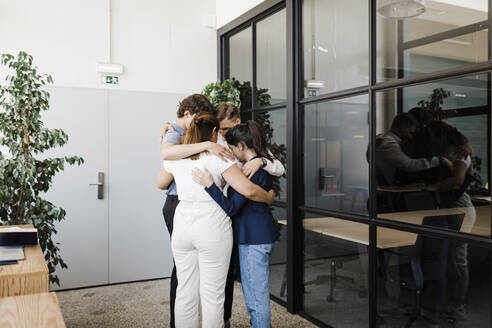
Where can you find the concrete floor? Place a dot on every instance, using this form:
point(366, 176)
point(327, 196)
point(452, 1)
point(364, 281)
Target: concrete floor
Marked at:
point(146, 304)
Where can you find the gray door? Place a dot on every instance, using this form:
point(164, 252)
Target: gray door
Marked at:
point(139, 246)
point(121, 237)
point(83, 236)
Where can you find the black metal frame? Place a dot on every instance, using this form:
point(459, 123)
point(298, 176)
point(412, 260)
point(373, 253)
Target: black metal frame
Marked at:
point(295, 157)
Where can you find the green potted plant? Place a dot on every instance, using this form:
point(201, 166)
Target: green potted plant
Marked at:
point(24, 176)
point(240, 94)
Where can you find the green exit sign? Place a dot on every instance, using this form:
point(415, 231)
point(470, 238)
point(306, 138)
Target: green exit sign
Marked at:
point(108, 79)
point(311, 92)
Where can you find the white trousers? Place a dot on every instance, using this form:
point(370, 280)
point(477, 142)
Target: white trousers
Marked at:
point(201, 245)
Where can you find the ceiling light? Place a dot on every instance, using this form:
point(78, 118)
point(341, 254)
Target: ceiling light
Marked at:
point(400, 9)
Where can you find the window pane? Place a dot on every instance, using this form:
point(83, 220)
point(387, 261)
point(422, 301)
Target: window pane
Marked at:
point(241, 63)
point(432, 154)
point(241, 56)
point(447, 281)
point(270, 56)
point(335, 144)
point(335, 45)
point(274, 124)
point(335, 271)
point(278, 259)
point(448, 34)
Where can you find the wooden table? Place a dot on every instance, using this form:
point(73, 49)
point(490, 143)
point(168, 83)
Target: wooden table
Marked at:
point(479, 226)
point(389, 238)
point(28, 276)
point(358, 232)
point(31, 311)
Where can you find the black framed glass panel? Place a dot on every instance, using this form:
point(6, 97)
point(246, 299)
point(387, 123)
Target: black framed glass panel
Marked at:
point(241, 62)
point(271, 56)
point(434, 282)
point(335, 166)
point(274, 124)
point(443, 35)
point(278, 259)
point(433, 153)
point(335, 45)
point(335, 271)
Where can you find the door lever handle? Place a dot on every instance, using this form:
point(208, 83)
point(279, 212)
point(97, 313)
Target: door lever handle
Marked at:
point(100, 185)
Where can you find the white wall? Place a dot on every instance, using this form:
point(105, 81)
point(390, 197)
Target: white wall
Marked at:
point(163, 44)
point(228, 10)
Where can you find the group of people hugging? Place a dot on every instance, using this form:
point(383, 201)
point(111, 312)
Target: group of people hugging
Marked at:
point(218, 173)
point(432, 161)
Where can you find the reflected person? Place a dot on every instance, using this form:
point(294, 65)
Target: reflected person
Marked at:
point(447, 141)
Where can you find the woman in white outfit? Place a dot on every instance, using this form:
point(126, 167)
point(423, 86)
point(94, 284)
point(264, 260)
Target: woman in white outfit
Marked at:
point(202, 236)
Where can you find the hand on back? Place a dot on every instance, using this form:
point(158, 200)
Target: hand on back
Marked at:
point(166, 127)
point(251, 167)
point(220, 151)
point(203, 178)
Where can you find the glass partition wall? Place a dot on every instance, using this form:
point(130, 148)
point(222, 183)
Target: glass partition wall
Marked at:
point(380, 111)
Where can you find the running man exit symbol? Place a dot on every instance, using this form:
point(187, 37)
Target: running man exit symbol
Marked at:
point(111, 79)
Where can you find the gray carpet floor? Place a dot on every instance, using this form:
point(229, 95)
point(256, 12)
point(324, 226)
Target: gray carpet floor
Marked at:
point(146, 304)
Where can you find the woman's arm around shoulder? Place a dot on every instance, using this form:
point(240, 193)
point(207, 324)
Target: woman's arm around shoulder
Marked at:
point(234, 177)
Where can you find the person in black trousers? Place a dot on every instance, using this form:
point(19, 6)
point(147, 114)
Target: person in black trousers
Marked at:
point(168, 212)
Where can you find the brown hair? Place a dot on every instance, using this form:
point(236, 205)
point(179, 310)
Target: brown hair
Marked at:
point(194, 104)
point(227, 111)
point(204, 127)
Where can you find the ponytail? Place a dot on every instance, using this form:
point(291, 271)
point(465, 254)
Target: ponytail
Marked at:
point(252, 136)
point(203, 128)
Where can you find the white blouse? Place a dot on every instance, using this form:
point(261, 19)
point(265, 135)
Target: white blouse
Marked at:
point(189, 190)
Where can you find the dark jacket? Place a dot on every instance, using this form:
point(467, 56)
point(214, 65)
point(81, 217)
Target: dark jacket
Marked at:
point(252, 221)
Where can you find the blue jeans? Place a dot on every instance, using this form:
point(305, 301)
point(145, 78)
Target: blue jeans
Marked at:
point(254, 261)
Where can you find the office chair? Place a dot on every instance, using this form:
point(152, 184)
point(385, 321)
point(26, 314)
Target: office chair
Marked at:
point(428, 260)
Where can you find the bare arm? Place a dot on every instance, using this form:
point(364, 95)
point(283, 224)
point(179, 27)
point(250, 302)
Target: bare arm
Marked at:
point(275, 168)
point(164, 179)
point(171, 151)
point(241, 184)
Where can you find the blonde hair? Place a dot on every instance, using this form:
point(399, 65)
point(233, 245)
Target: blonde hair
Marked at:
point(227, 111)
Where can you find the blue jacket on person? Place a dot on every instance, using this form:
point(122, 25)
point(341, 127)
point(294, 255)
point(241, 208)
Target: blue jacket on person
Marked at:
point(252, 221)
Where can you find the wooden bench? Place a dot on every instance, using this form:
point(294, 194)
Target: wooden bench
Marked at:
point(29, 311)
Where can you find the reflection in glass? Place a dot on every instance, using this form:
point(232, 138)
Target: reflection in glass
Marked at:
point(335, 271)
point(241, 56)
point(270, 56)
point(449, 34)
point(431, 281)
point(432, 153)
point(335, 47)
point(335, 166)
point(278, 259)
point(275, 126)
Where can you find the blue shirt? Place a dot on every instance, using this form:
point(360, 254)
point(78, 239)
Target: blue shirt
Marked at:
point(173, 137)
point(252, 221)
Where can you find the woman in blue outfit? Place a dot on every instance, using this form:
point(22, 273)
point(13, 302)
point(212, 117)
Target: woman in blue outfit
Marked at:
point(254, 227)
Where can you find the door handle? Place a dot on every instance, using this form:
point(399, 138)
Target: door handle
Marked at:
point(100, 185)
